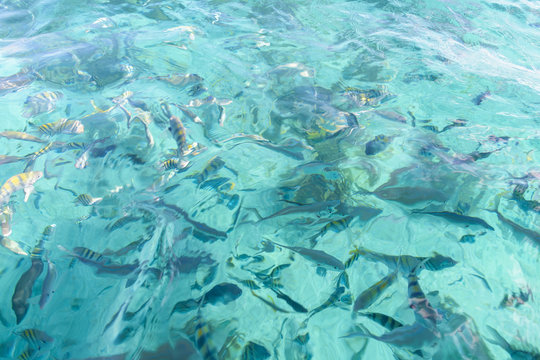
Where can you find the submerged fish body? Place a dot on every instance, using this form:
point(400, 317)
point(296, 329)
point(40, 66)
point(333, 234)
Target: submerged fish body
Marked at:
point(62, 126)
point(458, 218)
point(371, 294)
point(411, 195)
point(16, 81)
point(378, 144)
point(23, 289)
point(21, 136)
point(178, 132)
point(318, 257)
point(24, 181)
point(44, 102)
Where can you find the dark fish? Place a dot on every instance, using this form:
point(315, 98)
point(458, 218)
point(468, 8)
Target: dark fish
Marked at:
point(198, 225)
point(254, 351)
point(124, 220)
point(223, 293)
point(423, 311)
point(296, 306)
point(478, 100)
point(317, 256)
point(334, 297)
point(378, 144)
point(384, 320)
point(23, 289)
point(269, 303)
point(411, 195)
point(514, 352)
point(527, 232)
point(457, 218)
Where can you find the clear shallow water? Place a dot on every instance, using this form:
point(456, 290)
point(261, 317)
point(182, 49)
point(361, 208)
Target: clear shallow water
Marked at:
point(291, 135)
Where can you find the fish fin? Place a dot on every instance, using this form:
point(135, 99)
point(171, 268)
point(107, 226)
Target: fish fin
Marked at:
point(27, 191)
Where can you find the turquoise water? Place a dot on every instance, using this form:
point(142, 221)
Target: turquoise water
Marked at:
point(374, 140)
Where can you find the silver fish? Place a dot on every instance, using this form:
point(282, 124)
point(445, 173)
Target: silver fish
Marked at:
point(317, 256)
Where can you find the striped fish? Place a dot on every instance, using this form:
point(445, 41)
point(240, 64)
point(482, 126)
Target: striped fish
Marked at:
point(371, 294)
point(211, 168)
point(202, 339)
point(24, 181)
point(178, 132)
point(88, 256)
point(384, 320)
point(124, 220)
point(335, 226)
point(17, 135)
point(62, 126)
point(26, 355)
point(37, 252)
point(423, 311)
point(53, 145)
point(44, 102)
point(369, 97)
point(87, 200)
point(334, 297)
point(35, 337)
point(173, 164)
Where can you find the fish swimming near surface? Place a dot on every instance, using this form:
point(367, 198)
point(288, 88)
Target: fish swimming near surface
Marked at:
point(17, 135)
point(409, 195)
point(62, 126)
point(478, 99)
point(44, 102)
point(378, 144)
point(180, 79)
point(87, 200)
point(371, 294)
point(7, 159)
point(24, 181)
point(332, 300)
point(315, 207)
point(178, 132)
point(213, 166)
point(16, 81)
point(317, 256)
point(514, 351)
point(36, 338)
point(254, 351)
point(23, 289)
point(222, 293)
point(385, 321)
point(456, 218)
point(424, 312)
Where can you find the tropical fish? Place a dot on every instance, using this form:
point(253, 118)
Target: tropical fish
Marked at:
point(202, 339)
point(269, 303)
point(88, 256)
point(35, 337)
point(424, 312)
point(44, 102)
point(456, 217)
point(378, 144)
point(24, 181)
point(223, 293)
point(371, 294)
point(334, 297)
point(369, 97)
point(190, 114)
point(391, 115)
point(124, 220)
point(53, 145)
point(48, 287)
point(384, 320)
point(21, 136)
point(317, 256)
point(527, 232)
point(23, 289)
point(178, 132)
point(293, 304)
point(87, 200)
point(478, 100)
point(335, 225)
point(62, 126)
point(213, 165)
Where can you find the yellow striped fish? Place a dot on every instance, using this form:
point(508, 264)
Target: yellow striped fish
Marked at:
point(26, 355)
point(17, 135)
point(211, 167)
point(88, 256)
point(35, 337)
point(173, 164)
point(24, 181)
point(423, 310)
point(371, 294)
point(44, 102)
point(178, 132)
point(203, 341)
point(384, 320)
point(87, 200)
point(49, 147)
point(62, 126)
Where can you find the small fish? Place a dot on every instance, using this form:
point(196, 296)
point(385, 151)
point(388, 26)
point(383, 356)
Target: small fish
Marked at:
point(44, 102)
point(196, 90)
point(317, 256)
point(87, 200)
point(48, 287)
point(35, 337)
point(62, 126)
point(124, 220)
point(213, 166)
point(411, 195)
point(334, 297)
point(88, 256)
point(391, 115)
point(378, 144)
point(189, 114)
point(371, 294)
point(26, 355)
point(457, 218)
point(174, 164)
point(293, 304)
point(178, 132)
point(527, 232)
point(384, 320)
point(202, 339)
point(478, 100)
point(53, 145)
point(366, 97)
point(24, 181)
point(21, 136)
point(315, 207)
point(424, 312)
point(269, 303)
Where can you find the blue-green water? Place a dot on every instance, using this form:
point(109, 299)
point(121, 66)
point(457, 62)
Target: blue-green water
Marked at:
point(348, 131)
